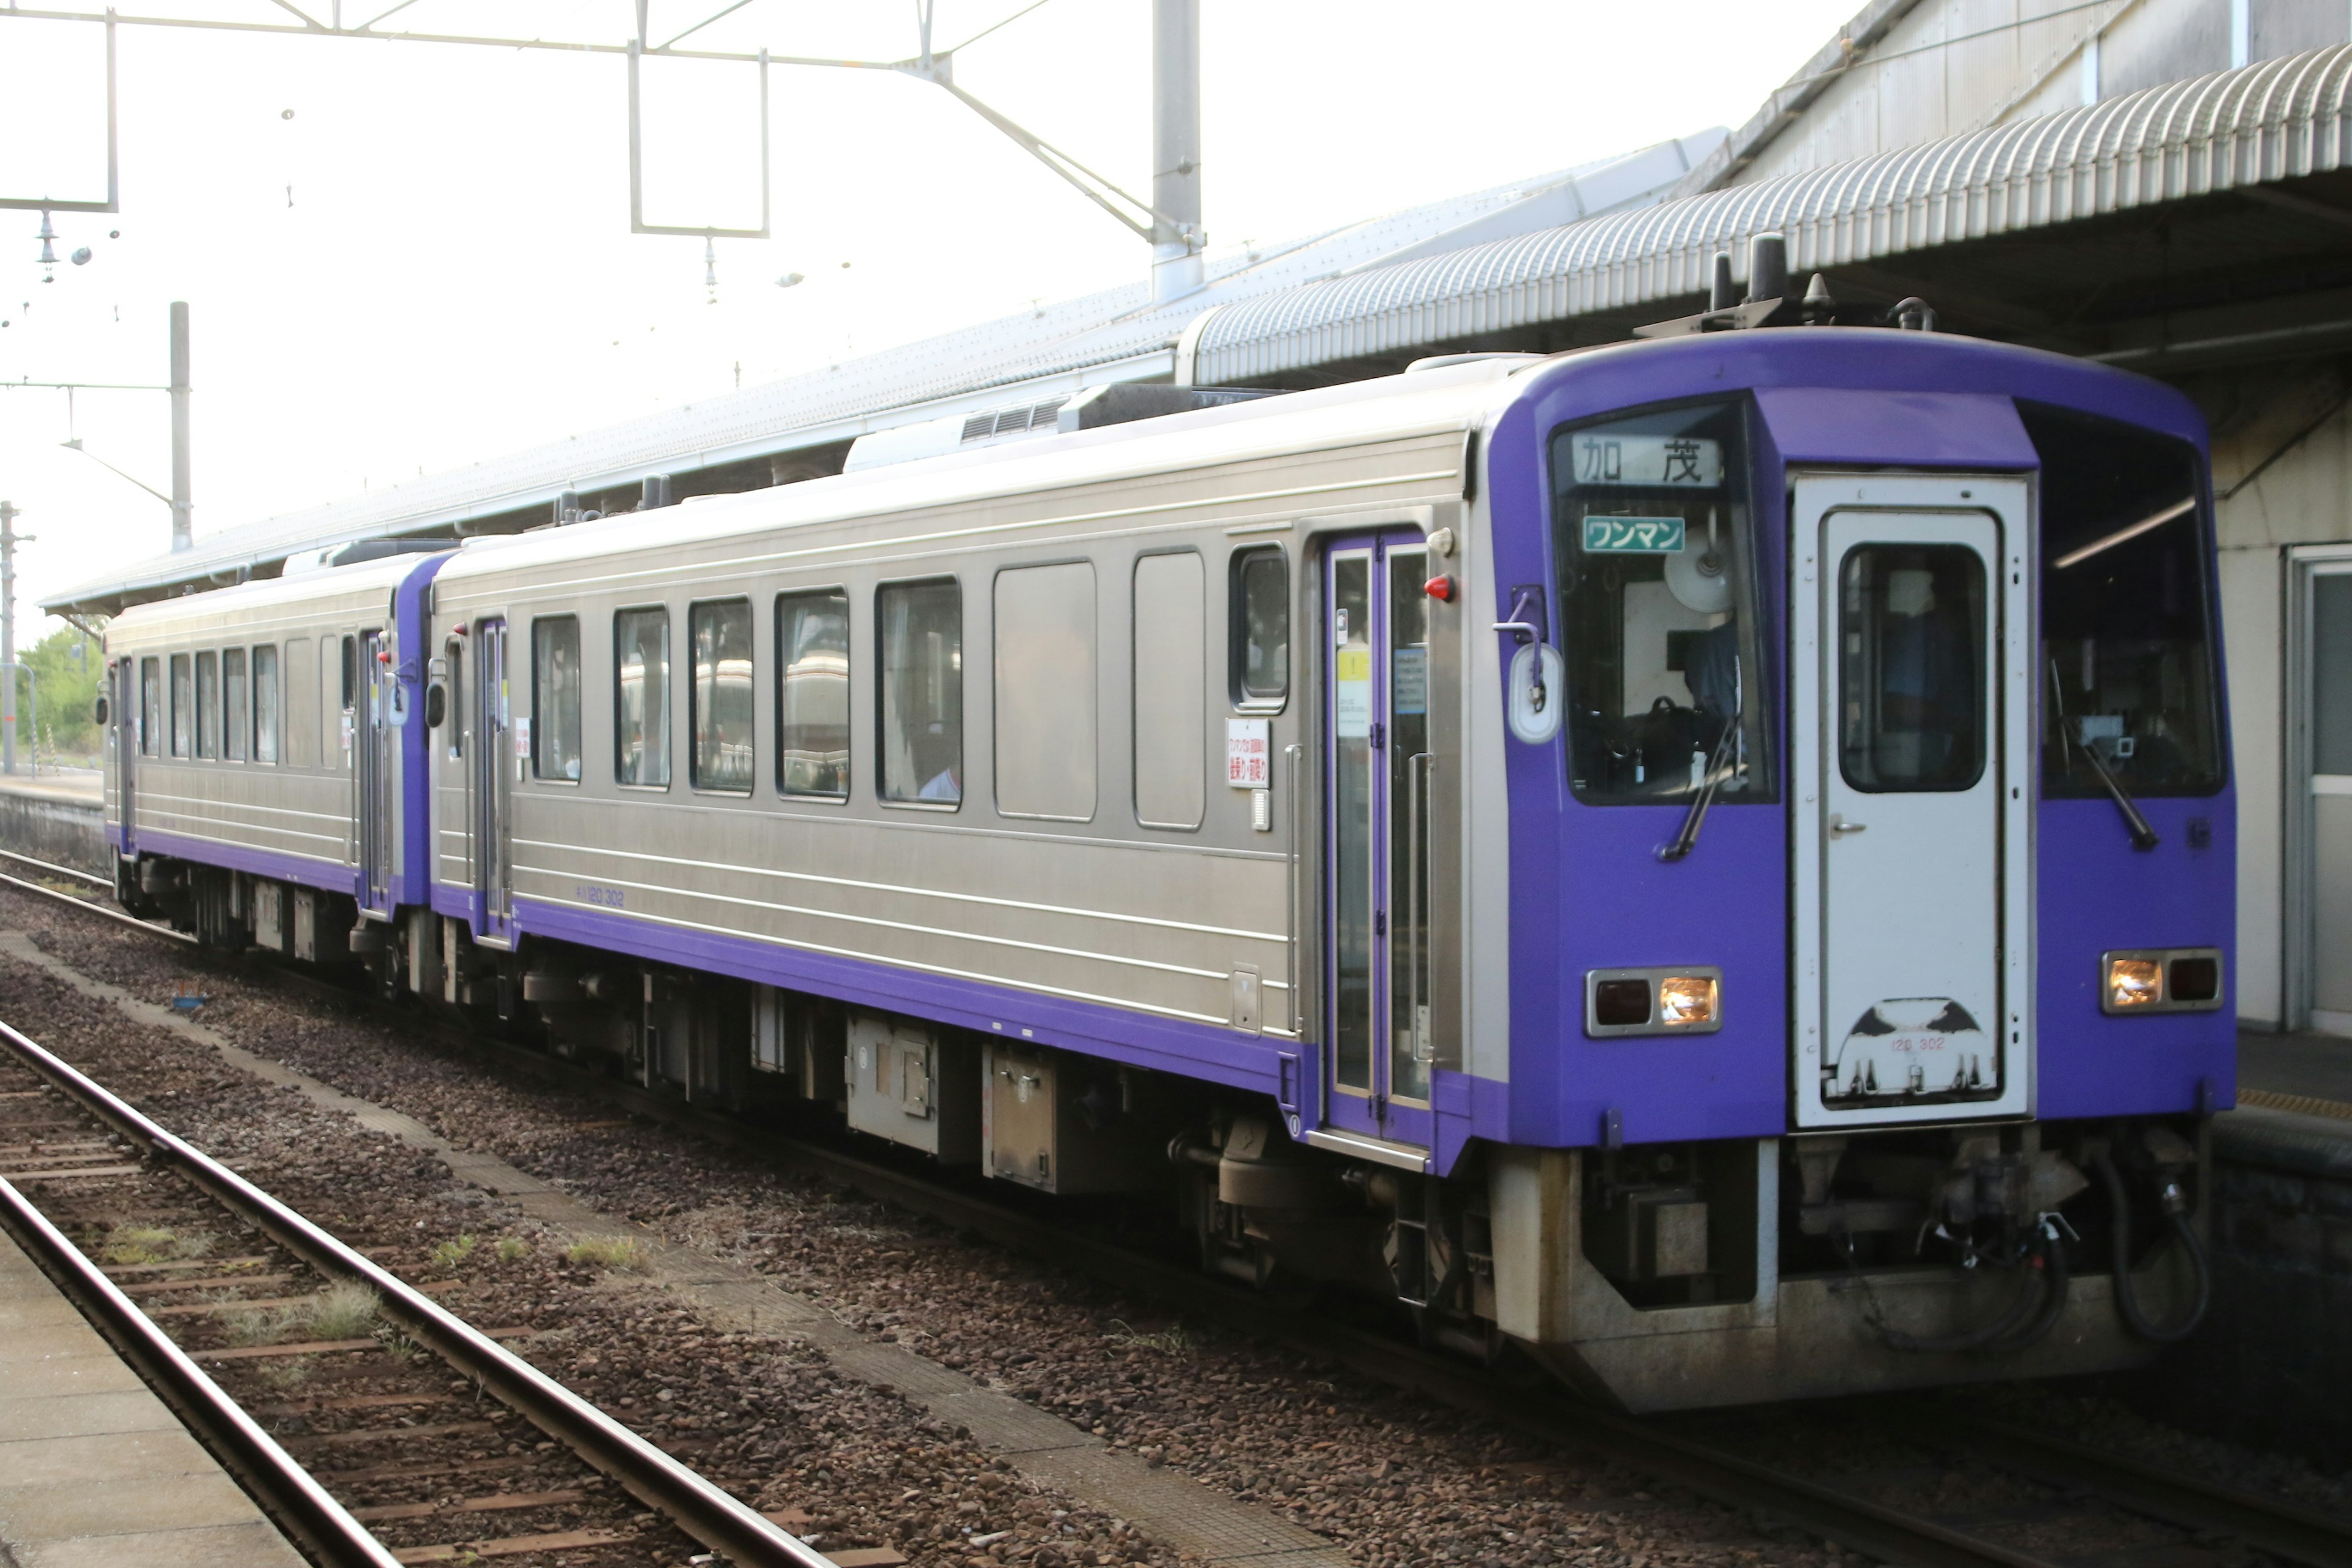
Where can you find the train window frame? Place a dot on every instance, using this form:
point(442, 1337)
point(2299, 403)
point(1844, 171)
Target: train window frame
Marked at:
point(208, 705)
point(300, 671)
point(885, 594)
point(269, 717)
point(789, 729)
point(548, 765)
point(621, 725)
point(1592, 631)
point(151, 706)
point(2145, 517)
point(334, 732)
point(183, 702)
point(1243, 697)
point(695, 614)
point(1152, 805)
point(1043, 716)
point(236, 706)
point(454, 719)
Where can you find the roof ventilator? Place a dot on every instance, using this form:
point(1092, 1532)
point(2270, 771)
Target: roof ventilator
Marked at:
point(1095, 407)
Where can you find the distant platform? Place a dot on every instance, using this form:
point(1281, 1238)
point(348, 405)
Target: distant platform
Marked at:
point(95, 1472)
point(68, 786)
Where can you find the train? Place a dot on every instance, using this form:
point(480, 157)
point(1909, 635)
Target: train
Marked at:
point(1705, 861)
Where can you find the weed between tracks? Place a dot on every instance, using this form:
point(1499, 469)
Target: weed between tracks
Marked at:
point(132, 1245)
point(344, 1311)
point(624, 1253)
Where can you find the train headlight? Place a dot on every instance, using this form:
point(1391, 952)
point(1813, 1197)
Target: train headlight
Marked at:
point(2160, 980)
point(1687, 1000)
point(1677, 999)
point(2134, 982)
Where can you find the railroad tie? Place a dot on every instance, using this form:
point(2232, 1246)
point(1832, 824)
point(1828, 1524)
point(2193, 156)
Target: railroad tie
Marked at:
point(1172, 1507)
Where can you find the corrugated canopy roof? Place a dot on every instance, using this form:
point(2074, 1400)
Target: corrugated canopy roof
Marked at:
point(2281, 120)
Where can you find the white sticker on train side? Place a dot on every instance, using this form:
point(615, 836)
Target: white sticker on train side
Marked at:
point(1249, 762)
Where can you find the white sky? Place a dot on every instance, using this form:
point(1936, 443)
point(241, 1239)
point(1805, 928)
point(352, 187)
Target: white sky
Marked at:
point(454, 276)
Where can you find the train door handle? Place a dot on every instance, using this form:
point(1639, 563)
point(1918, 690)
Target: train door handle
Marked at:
point(1840, 826)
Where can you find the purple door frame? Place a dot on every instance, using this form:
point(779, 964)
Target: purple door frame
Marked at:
point(1378, 1113)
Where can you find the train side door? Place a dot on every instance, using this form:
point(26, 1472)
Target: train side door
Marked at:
point(375, 772)
point(1376, 892)
point(493, 780)
point(1912, 768)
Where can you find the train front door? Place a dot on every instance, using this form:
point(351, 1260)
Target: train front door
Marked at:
point(123, 740)
point(494, 769)
point(1912, 677)
point(1376, 893)
point(375, 771)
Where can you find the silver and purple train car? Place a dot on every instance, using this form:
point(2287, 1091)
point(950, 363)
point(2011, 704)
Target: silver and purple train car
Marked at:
point(1706, 859)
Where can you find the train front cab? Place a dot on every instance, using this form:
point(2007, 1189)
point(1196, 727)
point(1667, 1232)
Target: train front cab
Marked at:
point(1869, 865)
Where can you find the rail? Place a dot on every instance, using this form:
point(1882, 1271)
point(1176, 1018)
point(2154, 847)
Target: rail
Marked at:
point(656, 1479)
point(287, 1492)
point(1710, 1470)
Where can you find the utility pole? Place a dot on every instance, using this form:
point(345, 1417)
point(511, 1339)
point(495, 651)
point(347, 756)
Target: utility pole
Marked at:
point(1176, 236)
point(9, 540)
point(184, 535)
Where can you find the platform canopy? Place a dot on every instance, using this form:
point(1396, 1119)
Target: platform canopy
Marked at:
point(2189, 227)
point(800, 427)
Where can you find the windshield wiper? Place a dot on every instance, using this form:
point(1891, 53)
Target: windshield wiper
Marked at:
point(1717, 764)
point(2143, 836)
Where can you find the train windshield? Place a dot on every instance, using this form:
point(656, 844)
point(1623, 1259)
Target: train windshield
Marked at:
point(2126, 630)
point(1653, 531)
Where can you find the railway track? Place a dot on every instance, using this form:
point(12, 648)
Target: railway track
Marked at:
point(71, 1151)
point(1705, 1455)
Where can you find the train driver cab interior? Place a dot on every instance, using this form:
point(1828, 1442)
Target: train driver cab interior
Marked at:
point(1654, 538)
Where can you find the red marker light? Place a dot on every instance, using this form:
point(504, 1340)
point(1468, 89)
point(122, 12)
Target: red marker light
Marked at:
point(1439, 589)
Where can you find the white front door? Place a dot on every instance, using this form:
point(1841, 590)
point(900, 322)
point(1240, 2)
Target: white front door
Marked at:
point(1913, 764)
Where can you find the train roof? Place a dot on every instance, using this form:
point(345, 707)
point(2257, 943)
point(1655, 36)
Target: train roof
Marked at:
point(1453, 398)
point(299, 598)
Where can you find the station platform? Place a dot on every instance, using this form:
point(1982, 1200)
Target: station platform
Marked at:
point(95, 1472)
point(58, 816)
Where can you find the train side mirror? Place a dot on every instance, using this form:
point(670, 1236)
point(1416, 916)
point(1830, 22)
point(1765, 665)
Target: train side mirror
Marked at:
point(98, 710)
point(1539, 692)
point(437, 705)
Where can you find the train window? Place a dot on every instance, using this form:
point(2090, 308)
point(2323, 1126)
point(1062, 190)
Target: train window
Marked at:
point(351, 676)
point(150, 708)
point(812, 694)
point(1257, 623)
point(1045, 692)
point(1655, 616)
point(721, 695)
point(920, 630)
point(453, 653)
point(301, 705)
point(1171, 702)
point(183, 704)
point(555, 747)
point(1911, 666)
point(334, 721)
point(641, 698)
point(236, 712)
point(2127, 661)
point(265, 702)
point(208, 705)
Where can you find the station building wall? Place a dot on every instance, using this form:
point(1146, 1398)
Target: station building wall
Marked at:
point(2290, 513)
